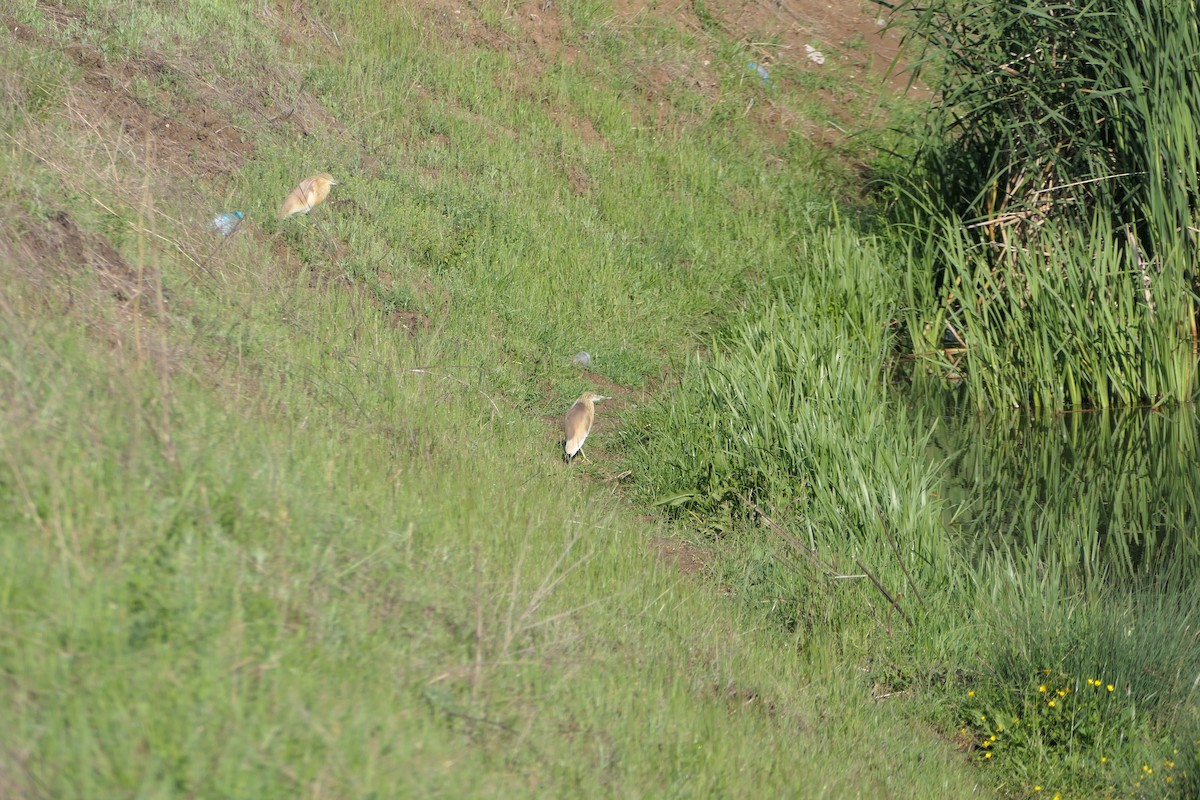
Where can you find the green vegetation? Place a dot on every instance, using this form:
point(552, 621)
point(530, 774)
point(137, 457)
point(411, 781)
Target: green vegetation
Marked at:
point(1052, 201)
point(1133, 515)
point(963, 558)
point(968, 559)
point(1063, 727)
point(283, 515)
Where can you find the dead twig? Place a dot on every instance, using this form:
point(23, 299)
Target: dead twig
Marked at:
point(829, 569)
point(887, 595)
point(423, 371)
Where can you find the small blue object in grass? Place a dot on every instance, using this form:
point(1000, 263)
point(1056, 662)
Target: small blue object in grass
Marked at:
point(225, 224)
point(760, 69)
point(952, 338)
point(582, 358)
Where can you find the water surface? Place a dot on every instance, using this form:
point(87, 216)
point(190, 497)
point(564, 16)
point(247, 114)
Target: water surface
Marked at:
point(1104, 492)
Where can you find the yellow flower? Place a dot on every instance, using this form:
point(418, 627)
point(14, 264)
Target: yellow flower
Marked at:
point(1000, 727)
point(1058, 796)
point(971, 693)
point(987, 755)
point(1169, 764)
point(992, 738)
point(986, 743)
point(1051, 704)
point(1037, 788)
point(1109, 687)
point(1046, 670)
point(1103, 759)
point(1062, 692)
point(1042, 688)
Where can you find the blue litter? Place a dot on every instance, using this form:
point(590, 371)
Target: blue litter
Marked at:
point(760, 69)
point(225, 224)
point(952, 338)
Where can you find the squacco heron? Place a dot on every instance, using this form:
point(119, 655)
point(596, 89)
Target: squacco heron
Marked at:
point(578, 424)
point(308, 195)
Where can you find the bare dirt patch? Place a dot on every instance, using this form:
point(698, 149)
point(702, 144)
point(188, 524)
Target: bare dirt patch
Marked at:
point(188, 136)
point(541, 24)
point(684, 556)
point(583, 128)
point(298, 27)
point(848, 31)
point(793, 40)
point(579, 181)
point(60, 246)
point(167, 105)
point(81, 269)
point(411, 322)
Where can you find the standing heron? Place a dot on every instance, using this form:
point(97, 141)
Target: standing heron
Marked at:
point(308, 195)
point(578, 424)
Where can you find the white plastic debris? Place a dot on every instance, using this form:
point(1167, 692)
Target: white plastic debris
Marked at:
point(225, 224)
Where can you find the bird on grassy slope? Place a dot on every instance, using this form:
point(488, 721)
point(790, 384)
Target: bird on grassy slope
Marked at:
point(578, 424)
point(308, 195)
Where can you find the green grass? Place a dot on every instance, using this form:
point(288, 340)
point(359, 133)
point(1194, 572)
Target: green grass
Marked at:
point(302, 529)
point(370, 609)
point(961, 556)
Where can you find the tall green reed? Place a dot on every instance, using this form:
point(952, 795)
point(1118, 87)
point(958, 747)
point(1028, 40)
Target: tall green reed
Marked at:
point(790, 421)
point(1053, 201)
point(1064, 323)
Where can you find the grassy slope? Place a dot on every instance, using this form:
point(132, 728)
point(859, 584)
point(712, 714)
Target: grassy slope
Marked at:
point(248, 550)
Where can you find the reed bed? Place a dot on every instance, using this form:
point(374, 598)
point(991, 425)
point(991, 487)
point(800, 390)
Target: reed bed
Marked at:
point(1052, 201)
